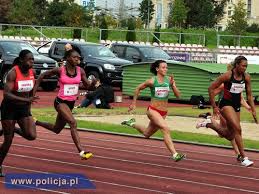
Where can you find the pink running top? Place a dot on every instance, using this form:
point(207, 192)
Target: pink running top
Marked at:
point(68, 86)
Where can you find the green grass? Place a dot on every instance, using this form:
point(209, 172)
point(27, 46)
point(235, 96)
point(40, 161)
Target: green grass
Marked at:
point(49, 115)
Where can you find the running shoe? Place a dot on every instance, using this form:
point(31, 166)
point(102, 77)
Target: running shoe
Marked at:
point(178, 157)
point(246, 162)
point(239, 158)
point(86, 155)
point(129, 122)
point(203, 123)
point(205, 115)
point(1, 172)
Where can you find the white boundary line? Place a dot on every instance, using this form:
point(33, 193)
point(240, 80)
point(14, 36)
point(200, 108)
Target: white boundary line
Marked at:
point(145, 153)
point(151, 146)
point(144, 163)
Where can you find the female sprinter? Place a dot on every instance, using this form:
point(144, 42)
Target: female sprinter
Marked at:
point(157, 110)
point(70, 76)
point(16, 104)
point(235, 81)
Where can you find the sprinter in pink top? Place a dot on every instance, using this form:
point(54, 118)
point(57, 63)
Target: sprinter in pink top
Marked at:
point(70, 76)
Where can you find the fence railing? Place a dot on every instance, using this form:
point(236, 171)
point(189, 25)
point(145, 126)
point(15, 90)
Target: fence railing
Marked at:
point(147, 36)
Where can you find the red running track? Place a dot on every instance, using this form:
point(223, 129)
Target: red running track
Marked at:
point(131, 165)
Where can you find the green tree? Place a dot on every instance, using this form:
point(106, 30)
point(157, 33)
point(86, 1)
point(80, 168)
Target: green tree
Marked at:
point(90, 8)
point(40, 8)
point(146, 10)
point(4, 10)
point(75, 15)
point(178, 13)
point(104, 26)
point(22, 12)
point(238, 21)
point(204, 13)
point(54, 15)
point(131, 35)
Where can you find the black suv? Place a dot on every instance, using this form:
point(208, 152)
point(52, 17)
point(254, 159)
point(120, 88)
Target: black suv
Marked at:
point(139, 53)
point(10, 49)
point(97, 60)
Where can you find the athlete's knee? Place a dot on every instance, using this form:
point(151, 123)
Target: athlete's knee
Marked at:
point(165, 130)
point(72, 123)
point(230, 136)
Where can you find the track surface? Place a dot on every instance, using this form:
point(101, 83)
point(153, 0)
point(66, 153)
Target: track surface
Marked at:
point(131, 165)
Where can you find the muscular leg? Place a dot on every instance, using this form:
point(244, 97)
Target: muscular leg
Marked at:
point(57, 127)
point(27, 128)
point(221, 128)
point(233, 123)
point(146, 131)
point(160, 122)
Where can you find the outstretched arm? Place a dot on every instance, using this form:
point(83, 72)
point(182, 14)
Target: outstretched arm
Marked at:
point(49, 73)
point(147, 83)
point(88, 84)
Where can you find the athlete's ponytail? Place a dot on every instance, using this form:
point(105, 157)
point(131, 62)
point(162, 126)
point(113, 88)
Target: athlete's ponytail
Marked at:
point(155, 65)
point(238, 60)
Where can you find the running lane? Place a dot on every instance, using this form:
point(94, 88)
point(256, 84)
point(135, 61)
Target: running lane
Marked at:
point(132, 165)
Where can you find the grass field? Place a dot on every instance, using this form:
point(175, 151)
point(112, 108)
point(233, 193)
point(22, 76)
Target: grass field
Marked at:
point(49, 115)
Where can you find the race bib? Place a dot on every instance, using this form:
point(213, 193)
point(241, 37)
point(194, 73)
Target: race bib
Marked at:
point(70, 89)
point(161, 92)
point(25, 86)
point(237, 88)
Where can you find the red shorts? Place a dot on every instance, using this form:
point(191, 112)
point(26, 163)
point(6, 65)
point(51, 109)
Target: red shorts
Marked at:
point(162, 113)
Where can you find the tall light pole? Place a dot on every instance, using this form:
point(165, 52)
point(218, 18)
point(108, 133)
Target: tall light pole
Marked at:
point(148, 5)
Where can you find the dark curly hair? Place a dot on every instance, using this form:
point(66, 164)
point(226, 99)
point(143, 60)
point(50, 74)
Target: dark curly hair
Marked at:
point(238, 60)
point(156, 65)
point(22, 55)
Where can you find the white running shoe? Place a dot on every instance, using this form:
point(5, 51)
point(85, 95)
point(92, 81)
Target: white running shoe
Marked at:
point(203, 123)
point(246, 162)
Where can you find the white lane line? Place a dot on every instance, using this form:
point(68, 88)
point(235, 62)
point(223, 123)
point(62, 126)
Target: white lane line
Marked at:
point(144, 163)
point(144, 145)
point(31, 187)
point(134, 173)
point(149, 154)
point(93, 180)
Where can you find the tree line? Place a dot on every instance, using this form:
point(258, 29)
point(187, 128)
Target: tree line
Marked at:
point(183, 14)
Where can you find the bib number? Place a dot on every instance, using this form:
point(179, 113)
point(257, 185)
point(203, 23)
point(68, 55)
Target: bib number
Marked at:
point(237, 88)
point(25, 86)
point(161, 92)
point(70, 89)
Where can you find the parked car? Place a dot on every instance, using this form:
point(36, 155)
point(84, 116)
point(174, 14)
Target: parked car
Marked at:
point(139, 53)
point(10, 49)
point(97, 60)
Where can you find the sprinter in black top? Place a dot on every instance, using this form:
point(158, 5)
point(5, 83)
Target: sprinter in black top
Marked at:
point(235, 81)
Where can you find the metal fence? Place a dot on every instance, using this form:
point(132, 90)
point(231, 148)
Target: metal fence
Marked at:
point(148, 36)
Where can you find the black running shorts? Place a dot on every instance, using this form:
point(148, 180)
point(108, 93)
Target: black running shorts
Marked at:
point(12, 111)
point(70, 104)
